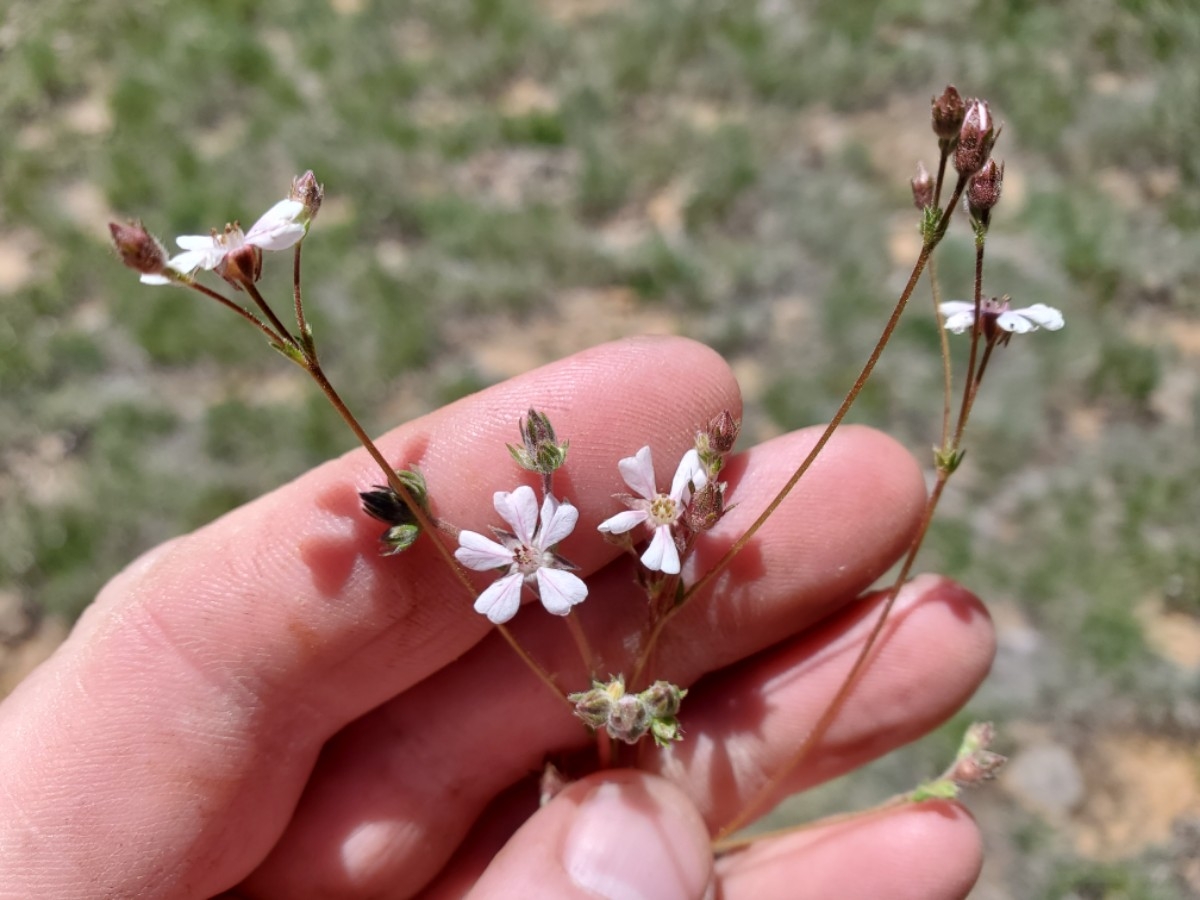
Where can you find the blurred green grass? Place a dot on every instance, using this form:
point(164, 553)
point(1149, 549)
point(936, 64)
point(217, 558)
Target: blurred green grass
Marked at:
point(738, 169)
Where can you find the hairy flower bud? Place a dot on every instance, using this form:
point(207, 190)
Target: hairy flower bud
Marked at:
point(706, 508)
point(922, 188)
point(662, 699)
point(139, 249)
point(306, 191)
point(947, 114)
point(974, 762)
point(541, 452)
point(975, 138)
point(723, 430)
point(984, 190)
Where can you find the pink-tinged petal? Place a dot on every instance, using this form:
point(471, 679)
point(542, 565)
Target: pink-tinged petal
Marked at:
point(1046, 316)
point(480, 553)
point(560, 590)
point(519, 509)
point(662, 555)
point(277, 228)
point(623, 521)
point(558, 521)
point(689, 471)
point(638, 472)
point(954, 307)
point(501, 600)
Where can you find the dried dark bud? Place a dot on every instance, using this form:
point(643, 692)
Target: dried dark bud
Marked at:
point(975, 138)
point(389, 507)
point(922, 188)
point(306, 190)
point(947, 113)
point(984, 190)
point(139, 249)
point(706, 508)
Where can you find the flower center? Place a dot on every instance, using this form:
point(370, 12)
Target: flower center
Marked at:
point(526, 559)
point(663, 511)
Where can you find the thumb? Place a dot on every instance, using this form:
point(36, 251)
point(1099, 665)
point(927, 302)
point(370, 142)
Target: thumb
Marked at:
point(620, 835)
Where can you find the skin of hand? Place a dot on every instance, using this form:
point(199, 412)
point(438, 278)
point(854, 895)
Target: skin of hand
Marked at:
point(269, 708)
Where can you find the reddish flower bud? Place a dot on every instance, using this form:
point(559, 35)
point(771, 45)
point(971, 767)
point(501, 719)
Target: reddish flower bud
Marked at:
point(947, 114)
point(984, 190)
point(922, 188)
point(975, 138)
point(139, 249)
point(723, 430)
point(242, 265)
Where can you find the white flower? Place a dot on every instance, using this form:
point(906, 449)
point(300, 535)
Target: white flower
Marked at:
point(960, 316)
point(276, 229)
point(526, 554)
point(660, 512)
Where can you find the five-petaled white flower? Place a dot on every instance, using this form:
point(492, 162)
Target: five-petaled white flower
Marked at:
point(960, 316)
point(526, 554)
point(660, 512)
point(277, 229)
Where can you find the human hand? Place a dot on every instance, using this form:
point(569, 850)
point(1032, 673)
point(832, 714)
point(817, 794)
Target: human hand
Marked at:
point(268, 706)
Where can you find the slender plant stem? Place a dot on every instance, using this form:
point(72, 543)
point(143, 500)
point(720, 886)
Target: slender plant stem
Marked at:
point(814, 737)
point(545, 677)
point(581, 641)
point(935, 290)
point(976, 334)
point(250, 317)
point(728, 845)
point(297, 300)
point(262, 304)
point(927, 248)
point(427, 523)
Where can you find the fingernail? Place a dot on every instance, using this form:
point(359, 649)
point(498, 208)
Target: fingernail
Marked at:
point(630, 841)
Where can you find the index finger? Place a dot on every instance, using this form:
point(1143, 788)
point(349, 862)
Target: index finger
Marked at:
point(187, 709)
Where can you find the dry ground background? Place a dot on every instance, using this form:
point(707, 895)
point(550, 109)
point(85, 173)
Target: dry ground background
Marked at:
point(510, 180)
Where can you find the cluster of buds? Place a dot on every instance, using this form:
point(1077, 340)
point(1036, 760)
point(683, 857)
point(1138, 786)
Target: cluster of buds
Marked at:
point(388, 507)
point(973, 764)
point(966, 132)
point(629, 717)
point(540, 451)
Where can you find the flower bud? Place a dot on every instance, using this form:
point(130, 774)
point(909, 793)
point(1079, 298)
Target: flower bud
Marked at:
point(947, 114)
point(975, 138)
point(241, 267)
point(628, 720)
point(706, 508)
point(387, 506)
point(594, 706)
point(306, 190)
point(139, 249)
point(662, 699)
point(984, 191)
point(922, 188)
point(975, 763)
point(722, 431)
point(541, 452)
